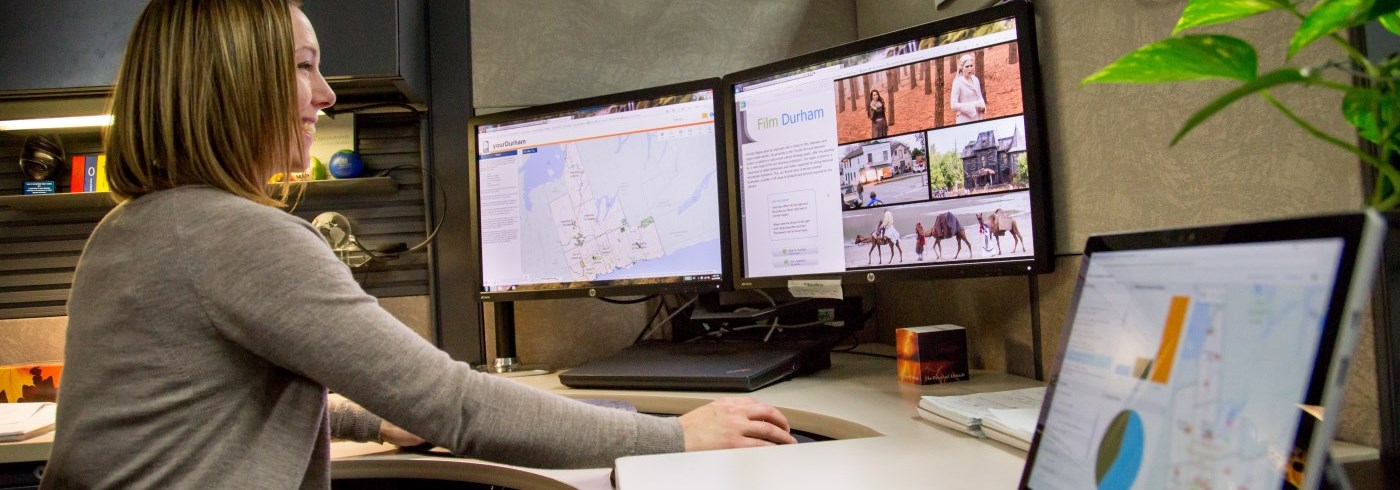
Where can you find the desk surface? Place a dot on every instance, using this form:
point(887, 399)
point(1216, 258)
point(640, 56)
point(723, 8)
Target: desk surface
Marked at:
point(884, 443)
point(900, 451)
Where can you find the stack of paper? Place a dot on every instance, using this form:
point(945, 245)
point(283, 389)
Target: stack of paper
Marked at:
point(20, 421)
point(968, 413)
point(1015, 427)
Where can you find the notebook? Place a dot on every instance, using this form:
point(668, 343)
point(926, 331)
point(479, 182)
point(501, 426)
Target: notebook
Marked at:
point(966, 413)
point(1188, 355)
point(20, 421)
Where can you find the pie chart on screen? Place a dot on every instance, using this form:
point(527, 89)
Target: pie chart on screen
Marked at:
point(1120, 452)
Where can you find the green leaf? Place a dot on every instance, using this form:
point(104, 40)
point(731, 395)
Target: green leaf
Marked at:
point(1210, 12)
point(1271, 79)
point(1327, 17)
point(1181, 59)
point(1359, 109)
point(1381, 8)
point(1391, 22)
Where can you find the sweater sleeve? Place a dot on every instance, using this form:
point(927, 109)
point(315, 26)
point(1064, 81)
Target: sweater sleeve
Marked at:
point(351, 422)
point(270, 284)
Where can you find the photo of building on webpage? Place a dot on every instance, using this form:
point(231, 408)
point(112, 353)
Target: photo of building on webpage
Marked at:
point(914, 153)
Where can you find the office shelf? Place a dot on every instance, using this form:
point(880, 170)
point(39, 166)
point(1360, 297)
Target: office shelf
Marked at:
point(102, 200)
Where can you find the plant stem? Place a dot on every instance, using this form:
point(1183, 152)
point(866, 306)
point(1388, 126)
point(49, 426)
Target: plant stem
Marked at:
point(1293, 9)
point(1386, 171)
point(1355, 55)
point(1328, 84)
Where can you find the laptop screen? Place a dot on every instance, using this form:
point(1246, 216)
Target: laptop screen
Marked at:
point(1187, 366)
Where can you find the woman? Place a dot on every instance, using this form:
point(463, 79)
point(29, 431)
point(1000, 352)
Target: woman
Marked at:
point(887, 224)
point(206, 324)
point(920, 239)
point(967, 102)
point(876, 110)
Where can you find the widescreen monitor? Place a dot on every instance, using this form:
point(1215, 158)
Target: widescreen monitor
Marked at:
point(611, 195)
point(915, 154)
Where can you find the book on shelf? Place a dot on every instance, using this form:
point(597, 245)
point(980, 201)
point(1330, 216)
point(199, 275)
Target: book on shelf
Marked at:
point(101, 184)
point(88, 173)
point(970, 413)
point(20, 421)
point(77, 166)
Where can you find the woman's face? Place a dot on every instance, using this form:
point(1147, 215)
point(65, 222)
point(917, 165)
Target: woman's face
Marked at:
point(875, 94)
point(966, 68)
point(313, 94)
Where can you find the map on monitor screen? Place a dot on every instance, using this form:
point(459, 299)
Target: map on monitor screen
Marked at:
point(624, 192)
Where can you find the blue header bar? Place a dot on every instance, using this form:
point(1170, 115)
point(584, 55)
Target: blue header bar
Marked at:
point(510, 153)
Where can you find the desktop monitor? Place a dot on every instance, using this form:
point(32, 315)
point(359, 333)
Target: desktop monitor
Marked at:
point(915, 154)
point(612, 195)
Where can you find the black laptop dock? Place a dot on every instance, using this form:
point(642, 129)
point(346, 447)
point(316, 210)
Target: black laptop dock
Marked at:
point(739, 366)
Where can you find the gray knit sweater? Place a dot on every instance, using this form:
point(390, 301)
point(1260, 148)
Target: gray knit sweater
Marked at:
point(204, 330)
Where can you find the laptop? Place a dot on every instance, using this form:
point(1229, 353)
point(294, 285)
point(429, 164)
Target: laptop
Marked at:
point(699, 366)
point(1208, 357)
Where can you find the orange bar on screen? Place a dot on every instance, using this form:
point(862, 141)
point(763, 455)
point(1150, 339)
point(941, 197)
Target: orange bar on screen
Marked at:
point(1171, 337)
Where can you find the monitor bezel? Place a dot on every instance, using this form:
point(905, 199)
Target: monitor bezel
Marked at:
point(721, 176)
point(1040, 262)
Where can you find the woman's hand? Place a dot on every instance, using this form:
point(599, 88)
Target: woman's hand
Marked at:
point(392, 434)
point(734, 422)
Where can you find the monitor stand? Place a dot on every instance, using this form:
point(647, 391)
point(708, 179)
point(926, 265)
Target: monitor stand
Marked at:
point(506, 362)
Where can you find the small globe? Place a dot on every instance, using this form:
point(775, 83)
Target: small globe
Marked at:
point(346, 164)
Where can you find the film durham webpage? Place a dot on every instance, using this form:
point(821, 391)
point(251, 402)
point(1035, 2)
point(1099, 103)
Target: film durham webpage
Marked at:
point(884, 153)
point(589, 198)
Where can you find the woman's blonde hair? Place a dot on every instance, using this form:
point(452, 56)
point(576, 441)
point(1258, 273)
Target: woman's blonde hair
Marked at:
point(965, 58)
point(205, 95)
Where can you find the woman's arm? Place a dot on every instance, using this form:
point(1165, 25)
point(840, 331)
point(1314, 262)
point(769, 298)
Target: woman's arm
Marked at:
point(351, 422)
point(269, 284)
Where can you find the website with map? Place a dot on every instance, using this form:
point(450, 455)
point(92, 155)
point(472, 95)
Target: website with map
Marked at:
point(1185, 367)
point(844, 164)
point(623, 194)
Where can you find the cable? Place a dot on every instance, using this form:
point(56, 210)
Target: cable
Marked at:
point(441, 193)
point(771, 328)
point(332, 111)
point(854, 345)
point(882, 356)
point(668, 318)
point(642, 299)
point(647, 328)
point(766, 296)
point(391, 251)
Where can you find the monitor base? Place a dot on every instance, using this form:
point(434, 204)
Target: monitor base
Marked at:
point(509, 367)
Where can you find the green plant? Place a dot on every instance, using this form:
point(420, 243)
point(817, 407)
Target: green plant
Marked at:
point(1372, 106)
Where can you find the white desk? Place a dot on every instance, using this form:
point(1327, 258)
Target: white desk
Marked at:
point(885, 444)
